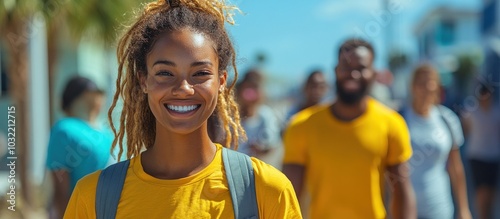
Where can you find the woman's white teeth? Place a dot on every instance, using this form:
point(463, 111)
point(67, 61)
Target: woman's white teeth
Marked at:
point(182, 109)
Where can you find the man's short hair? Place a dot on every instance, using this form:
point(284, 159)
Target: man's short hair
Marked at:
point(354, 43)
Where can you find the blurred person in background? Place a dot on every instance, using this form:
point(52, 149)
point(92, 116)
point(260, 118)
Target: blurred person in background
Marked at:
point(258, 120)
point(436, 137)
point(78, 144)
point(314, 90)
point(483, 149)
point(342, 151)
point(380, 89)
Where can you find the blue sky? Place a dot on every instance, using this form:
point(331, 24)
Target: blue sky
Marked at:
point(298, 36)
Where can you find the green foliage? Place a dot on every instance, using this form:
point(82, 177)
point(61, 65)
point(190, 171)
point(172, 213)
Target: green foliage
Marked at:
point(97, 19)
point(12, 12)
point(397, 60)
point(101, 20)
point(467, 67)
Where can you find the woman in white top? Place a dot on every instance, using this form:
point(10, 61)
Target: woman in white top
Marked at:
point(436, 135)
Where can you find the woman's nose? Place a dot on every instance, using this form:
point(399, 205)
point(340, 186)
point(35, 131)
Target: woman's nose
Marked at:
point(183, 89)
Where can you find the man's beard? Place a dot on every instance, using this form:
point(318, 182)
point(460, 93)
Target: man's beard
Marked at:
point(351, 98)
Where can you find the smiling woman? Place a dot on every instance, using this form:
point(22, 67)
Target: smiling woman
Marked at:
point(173, 66)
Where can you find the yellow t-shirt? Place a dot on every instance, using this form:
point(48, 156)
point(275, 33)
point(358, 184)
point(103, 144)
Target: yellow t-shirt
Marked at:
point(202, 195)
point(305, 113)
point(345, 161)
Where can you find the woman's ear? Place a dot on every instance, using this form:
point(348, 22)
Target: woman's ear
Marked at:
point(222, 80)
point(141, 77)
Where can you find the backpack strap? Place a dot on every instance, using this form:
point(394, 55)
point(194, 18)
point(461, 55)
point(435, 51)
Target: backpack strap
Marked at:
point(448, 125)
point(402, 111)
point(109, 189)
point(241, 181)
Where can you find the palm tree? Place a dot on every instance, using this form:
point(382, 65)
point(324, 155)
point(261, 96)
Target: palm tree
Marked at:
point(102, 19)
point(14, 24)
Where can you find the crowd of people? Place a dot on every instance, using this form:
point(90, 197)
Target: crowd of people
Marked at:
point(352, 156)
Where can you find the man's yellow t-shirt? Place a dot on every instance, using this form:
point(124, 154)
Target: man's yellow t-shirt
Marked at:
point(202, 195)
point(345, 162)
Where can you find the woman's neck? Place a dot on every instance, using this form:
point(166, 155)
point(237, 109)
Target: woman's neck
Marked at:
point(421, 109)
point(175, 156)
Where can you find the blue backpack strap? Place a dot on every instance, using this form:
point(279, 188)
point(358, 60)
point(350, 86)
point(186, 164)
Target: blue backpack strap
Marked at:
point(109, 189)
point(241, 181)
point(402, 111)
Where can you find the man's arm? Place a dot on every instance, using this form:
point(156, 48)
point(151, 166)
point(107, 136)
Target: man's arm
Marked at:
point(403, 204)
point(295, 174)
point(61, 181)
point(458, 184)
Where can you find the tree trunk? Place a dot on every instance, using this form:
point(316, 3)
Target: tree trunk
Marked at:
point(18, 70)
point(53, 32)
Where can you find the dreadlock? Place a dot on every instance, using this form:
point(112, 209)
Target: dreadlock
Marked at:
point(136, 120)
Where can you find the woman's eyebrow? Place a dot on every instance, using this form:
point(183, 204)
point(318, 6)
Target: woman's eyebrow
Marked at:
point(199, 63)
point(167, 62)
point(164, 62)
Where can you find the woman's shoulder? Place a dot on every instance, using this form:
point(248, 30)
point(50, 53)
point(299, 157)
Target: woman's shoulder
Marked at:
point(447, 114)
point(267, 175)
point(82, 201)
point(275, 194)
point(88, 183)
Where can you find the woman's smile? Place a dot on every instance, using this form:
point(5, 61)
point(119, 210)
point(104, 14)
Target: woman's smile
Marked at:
point(182, 111)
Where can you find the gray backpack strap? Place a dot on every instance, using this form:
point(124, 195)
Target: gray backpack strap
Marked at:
point(448, 125)
point(241, 181)
point(109, 190)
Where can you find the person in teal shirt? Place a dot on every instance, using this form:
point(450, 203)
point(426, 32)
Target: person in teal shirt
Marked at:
point(78, 145)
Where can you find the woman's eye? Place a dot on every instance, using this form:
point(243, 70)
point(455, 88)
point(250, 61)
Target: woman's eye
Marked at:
point(202, 73)
point(164, 73)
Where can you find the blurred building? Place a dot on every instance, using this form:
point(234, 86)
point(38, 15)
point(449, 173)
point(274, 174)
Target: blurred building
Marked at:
point(450, 39)
point(446, 32)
